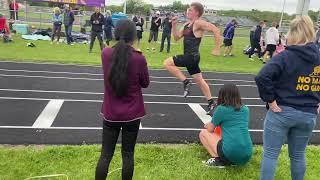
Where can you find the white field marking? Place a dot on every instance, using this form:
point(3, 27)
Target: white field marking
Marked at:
point(99, 101)
point(100, 128)
point(78, 65)
point(48, 114)
point(94, 79)
point(140, 126)
point(99, 93)
point(200, 112)
point(90, 74)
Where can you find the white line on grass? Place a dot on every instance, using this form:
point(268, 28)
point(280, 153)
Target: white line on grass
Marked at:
point(99, 101)
point(48, 115)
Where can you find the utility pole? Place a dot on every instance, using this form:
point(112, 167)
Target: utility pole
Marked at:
point(302, 7)
point(125, 7)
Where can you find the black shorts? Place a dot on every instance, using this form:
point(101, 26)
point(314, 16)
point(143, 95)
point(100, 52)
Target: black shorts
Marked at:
point(139, 34)
point(191, 62)
point(227, 42)
point(221, 155)
point(271, 47)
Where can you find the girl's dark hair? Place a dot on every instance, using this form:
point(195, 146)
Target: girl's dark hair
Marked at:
point(229, 95)
point(125, 34)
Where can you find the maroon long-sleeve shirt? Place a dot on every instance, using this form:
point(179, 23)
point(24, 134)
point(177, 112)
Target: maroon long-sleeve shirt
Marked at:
point(131, 106)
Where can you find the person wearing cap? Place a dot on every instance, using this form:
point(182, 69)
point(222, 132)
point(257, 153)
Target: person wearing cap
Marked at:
point(166, 34)
point(155, 24)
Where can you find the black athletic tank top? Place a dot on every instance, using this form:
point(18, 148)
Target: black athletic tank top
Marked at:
point(190, 42)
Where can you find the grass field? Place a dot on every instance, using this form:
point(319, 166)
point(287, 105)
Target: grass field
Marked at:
point(153, 162)
point(78, 54)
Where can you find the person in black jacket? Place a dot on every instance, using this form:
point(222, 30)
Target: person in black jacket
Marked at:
point(96, 21)
point(166, 34)
point(68, 19)
point(155, 24)
point(139, 21)
point(289, 83)
point(256, 40)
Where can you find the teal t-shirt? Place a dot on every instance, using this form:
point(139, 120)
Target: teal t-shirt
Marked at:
point(236, 140)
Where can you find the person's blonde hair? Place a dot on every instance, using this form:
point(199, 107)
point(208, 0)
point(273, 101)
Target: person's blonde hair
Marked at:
point(56, 10)
point(108, 12)
point(301, 31)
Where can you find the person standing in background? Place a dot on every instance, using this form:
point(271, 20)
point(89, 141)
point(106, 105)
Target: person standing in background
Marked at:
point(139, 21)
point(13, 7)
point(228, 35)
point(166, 34)
point(57, 22)
point(154, 30)
point(96, 21)
point(272, 39)
point(68, 22)
point(108, 25)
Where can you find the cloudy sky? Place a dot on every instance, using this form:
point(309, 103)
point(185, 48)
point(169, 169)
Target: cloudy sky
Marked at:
point(270, 5)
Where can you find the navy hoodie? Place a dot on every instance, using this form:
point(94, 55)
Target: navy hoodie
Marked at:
point(292, 78)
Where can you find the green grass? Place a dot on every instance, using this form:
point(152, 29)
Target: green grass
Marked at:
point(178, 162)
point(78, 54)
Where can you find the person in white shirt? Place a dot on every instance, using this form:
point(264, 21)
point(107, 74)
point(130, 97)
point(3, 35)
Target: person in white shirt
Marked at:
point(271, 39)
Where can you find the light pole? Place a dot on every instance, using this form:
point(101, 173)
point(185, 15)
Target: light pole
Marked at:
point(125, 7)
point(302, 7)
point(284, 4)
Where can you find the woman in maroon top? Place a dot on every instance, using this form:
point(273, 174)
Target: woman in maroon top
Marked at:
point(125, 74)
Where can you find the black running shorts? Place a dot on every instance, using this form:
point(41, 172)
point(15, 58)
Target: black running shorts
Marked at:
point(191, 62)
point(227, 42)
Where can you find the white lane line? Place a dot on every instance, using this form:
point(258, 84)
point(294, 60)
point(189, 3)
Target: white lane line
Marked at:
point(49, 77)
point(210, 79)
point(79, 65)
point(94, 79)
point(100, 128)
point(140, 126)
point(200, 112)
point(48, 115)
point(99, 101)
point(49, 72)
point(100, 93)
point(239, 85)
point(93, 74)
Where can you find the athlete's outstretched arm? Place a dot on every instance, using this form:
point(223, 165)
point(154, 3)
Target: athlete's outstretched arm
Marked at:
point(177, 34)
point(206, 26)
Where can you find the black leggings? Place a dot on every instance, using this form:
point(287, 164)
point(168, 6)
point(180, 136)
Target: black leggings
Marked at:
point(109, 139)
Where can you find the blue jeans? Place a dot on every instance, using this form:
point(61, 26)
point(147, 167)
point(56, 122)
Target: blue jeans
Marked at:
point(295, 127)
point(68, 33)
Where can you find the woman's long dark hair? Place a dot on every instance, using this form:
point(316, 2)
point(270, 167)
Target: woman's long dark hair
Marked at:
point(229, 95)
point(125, 34)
